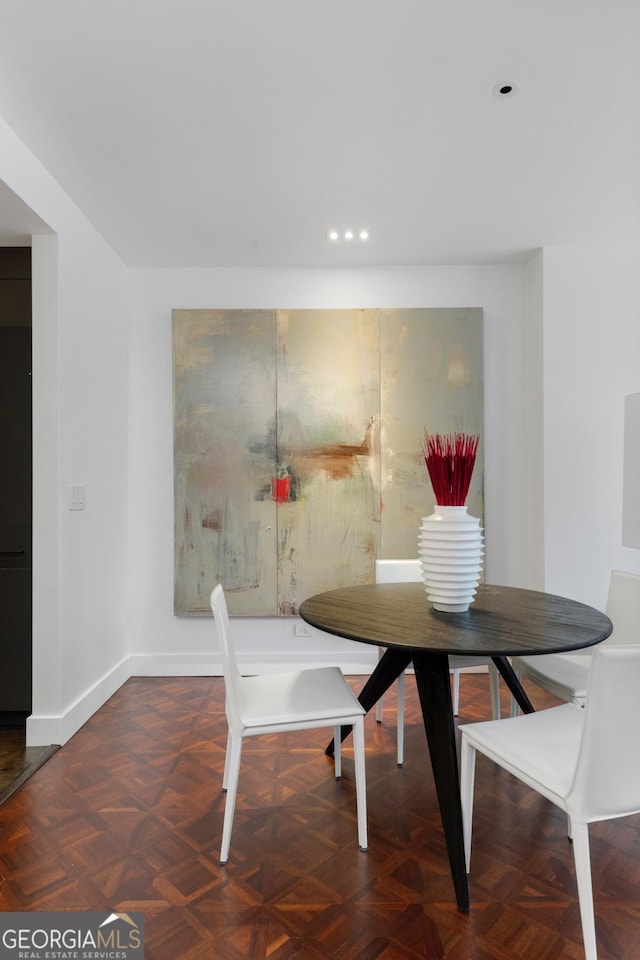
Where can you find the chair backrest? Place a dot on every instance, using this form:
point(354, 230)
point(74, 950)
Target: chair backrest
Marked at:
point(607, 778)
point(623, 607)
point(232, 678)
point(398, 571)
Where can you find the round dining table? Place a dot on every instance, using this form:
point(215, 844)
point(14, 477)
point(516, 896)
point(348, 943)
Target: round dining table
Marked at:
point(500, 623)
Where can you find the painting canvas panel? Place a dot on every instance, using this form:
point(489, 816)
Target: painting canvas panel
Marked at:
point(224, 459)
point(328, 446)
point(297, 445)
point(431, 377)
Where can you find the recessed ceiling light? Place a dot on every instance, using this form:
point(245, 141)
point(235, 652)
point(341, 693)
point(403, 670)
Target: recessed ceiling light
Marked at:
point(504, 90)
point(334, 235)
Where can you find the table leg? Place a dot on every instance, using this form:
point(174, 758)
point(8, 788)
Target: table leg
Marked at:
point(510, 678)
point(387, 671)
point(434, 690)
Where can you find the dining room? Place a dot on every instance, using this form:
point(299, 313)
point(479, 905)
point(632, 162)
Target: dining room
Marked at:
point(523, 226)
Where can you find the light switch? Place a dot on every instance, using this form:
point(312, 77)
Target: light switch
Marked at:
point(76, 496)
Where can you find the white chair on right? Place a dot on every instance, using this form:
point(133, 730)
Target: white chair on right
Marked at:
point(410, 571)
point(583, 760)
point(566, 675)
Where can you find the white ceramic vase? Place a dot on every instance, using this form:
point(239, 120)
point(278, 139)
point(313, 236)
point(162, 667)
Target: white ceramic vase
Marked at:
point(451, 548)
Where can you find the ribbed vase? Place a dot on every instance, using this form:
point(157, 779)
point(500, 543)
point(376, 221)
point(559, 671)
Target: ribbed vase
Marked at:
point(451, 548)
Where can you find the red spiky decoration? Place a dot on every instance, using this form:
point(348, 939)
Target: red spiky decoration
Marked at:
point(450, 459)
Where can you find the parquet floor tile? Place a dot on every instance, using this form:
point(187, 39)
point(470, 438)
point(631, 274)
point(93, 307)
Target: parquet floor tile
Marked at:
point(128, 816)
point(17, 761)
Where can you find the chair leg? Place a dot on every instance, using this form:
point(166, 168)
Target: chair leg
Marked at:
point(467, 778)
point(232, 765)
point(337, 753)
point(361, 783)
point(456, 691)
point(400, 733)
point(227, 760)
point(515, 709)
point(379, 703)
point(494, 691)
point(580, 834)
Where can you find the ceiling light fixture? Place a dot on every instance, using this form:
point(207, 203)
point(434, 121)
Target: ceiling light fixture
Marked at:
point(504, 90)
point(334, 235)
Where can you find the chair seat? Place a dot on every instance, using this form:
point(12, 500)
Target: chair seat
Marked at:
point(565, 675)
point(540, 748)
point(297, 697)
point(466, 663)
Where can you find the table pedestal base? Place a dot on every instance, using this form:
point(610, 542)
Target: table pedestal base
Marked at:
point(434, 690)
point(387, 671)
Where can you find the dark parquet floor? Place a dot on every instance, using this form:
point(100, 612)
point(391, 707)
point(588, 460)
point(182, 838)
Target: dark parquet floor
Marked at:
point(17, 761)
point(127, 816)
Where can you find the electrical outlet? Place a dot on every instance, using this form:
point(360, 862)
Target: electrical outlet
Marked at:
point(302, 629)
point(76, 496)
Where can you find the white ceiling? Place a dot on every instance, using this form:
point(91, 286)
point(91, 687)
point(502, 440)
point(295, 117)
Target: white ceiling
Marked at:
point(237, 132)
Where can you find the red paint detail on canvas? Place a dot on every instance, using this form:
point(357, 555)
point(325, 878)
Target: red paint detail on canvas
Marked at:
point(281, 489)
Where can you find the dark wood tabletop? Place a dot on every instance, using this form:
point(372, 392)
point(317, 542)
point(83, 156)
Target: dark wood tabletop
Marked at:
point(502, 621)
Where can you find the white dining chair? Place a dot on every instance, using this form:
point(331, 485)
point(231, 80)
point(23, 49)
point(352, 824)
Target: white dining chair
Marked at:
point(566, 675)
point(410, 571)
point(281, 702)
point(582, 760)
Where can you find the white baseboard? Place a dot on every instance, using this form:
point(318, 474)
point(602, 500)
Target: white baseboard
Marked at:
point(174, 665)
point(200, 665)
point(43, 730)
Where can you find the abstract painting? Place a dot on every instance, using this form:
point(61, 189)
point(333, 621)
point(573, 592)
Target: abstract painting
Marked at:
point(328, 377)
point(297, 444)
point(431, 378)
point(225, 459)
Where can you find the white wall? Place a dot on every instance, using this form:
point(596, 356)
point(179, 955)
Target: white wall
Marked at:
point(591, 362)
point(80, 412)
point(161, 642)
